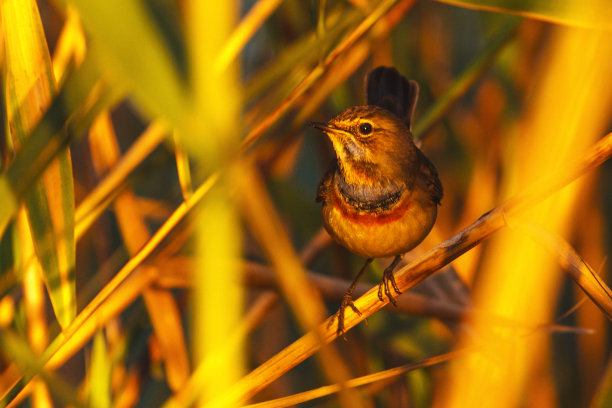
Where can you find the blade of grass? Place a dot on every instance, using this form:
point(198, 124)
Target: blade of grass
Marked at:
point(9, 258)
point(256, 314)
point(71, 45)
point(320, 29)
point(257, 15)
point(166, 321)
point(358, 382)
point(595, 14)
point(212, 139)
point(182, 167)
point(125, 295)
point(130, 392)
point(14, 345)
point(35, 310)
point(160, 304)
point(98, 199)
point(50, 204)
point(9, 204)
point(99, 374)
point(7, 311)
point(83, 96)
point(134, 48)
point(109, 309)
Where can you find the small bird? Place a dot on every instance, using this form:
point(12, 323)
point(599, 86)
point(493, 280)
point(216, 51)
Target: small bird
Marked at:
point(381, 193)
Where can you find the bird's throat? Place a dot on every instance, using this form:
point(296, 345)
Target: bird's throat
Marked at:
point(367, 196)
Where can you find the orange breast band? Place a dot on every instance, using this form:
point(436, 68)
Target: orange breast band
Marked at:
point(368, 218)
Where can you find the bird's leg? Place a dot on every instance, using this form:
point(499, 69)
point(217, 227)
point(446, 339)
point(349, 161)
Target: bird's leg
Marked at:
point(388, 277)
point(347, 300)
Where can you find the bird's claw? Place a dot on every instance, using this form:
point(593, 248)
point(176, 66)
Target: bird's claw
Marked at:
point(347, 300)
point(384, 286)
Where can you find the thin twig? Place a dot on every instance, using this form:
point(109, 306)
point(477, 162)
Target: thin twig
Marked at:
point(359, 381)
point(577, 268)
point(320, 241)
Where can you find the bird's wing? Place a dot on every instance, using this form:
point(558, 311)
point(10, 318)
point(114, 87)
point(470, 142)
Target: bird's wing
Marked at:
point(387, 88)
point(325, 186)
point(428, 179)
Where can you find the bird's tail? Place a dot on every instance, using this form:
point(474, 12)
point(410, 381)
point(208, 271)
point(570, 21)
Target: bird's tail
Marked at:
point(387, 88)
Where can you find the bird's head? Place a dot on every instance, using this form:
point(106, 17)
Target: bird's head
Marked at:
point(371, 143)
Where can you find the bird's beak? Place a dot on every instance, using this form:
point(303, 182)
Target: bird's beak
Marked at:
point(335, 134)
point(322, 126)
point(338, 137)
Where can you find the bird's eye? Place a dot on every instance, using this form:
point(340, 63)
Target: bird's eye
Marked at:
point(365, 129)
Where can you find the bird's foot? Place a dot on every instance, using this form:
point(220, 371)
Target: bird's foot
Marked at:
point(347, 301)
point(383, 286)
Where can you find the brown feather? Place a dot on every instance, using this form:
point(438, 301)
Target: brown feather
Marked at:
point(428, 179)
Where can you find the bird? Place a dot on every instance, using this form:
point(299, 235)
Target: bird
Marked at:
point(380, 196)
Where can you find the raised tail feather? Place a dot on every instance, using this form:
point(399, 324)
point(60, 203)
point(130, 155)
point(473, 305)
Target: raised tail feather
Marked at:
point(387, 88)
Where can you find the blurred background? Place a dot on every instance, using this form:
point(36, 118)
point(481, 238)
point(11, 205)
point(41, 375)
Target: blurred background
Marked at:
point(161, 243)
